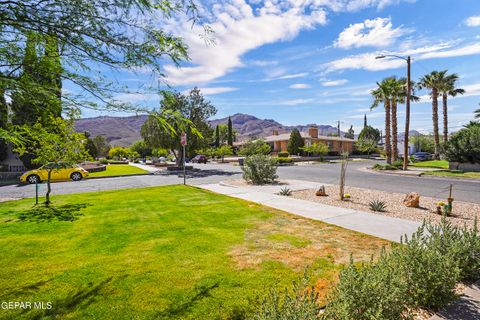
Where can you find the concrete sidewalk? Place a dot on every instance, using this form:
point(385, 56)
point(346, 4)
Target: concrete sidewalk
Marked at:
point(376, 225)
point(467, 307)
point(144, 167)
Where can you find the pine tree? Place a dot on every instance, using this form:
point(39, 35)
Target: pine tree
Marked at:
point(295, 143)
point(365, 121)
point(217, 137)
point(230, 132)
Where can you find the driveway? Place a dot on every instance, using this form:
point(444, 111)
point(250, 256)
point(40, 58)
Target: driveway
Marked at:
point(463, 190)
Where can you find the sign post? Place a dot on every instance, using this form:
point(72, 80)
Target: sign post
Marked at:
point(36, 191)
point(183, 141)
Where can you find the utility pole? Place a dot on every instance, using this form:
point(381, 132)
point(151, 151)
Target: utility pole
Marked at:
point(407, 117)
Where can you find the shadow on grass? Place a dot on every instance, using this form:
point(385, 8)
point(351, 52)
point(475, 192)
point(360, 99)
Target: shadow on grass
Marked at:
point(77, 300)
point(42, 213)
point(200, 173)
point(178, 308)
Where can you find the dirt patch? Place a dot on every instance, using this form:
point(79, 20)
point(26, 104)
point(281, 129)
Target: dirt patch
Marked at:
point(463, 212)
point(297, 242)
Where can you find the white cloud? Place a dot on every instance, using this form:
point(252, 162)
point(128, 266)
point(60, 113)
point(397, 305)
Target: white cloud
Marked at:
point(378, 33)
point(237, 30)
point(284, 77)
point(334, 83)
point(216, 90)
point(295, 102)
point(300, 86)
point(473, 21)
point(240, 26)
point(368, 61)
point(136, 97)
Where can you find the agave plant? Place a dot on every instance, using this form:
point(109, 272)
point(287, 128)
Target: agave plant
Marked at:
point(378, 206)
point(285, 192)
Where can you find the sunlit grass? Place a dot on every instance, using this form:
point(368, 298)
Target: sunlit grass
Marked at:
point(160, 253)
point(440, 164)
point(114, 170)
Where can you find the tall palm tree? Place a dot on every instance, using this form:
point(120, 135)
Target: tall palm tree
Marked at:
point(380, 95)
point(433, 81)
point(448, 89)
point(397, 95)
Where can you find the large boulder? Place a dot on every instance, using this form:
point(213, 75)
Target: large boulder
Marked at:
point(412, 200)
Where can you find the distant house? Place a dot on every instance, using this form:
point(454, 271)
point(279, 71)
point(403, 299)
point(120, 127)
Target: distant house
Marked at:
point(279, 142)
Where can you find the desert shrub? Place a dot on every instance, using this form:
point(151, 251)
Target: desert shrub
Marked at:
point(463, 244)
point(379, 166)
point(398, 164)
point(367, 291)
point(428, 276)
point(283, 154)
point(260, 169)
point(282, 160)
point(297, 303)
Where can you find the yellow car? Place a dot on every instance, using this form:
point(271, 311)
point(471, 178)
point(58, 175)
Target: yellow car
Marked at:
point(61, 172)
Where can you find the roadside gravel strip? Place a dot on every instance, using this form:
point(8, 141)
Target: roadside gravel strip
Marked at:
point(463, 212)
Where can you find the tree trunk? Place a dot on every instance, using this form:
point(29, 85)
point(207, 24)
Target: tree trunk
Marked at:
point(388, 146)
point(436, 136)
point(49, 189)
point(394, 131)
point(445, 117)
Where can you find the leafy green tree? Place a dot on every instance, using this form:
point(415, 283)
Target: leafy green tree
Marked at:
point(3, 123)
point(62, 148)
point(370, 133)
point(295, 143)
point(118, 153)
point(159, 152)
point(141, 148)
point(101, 145)
point(350, 134)
point(192, 111)
point(366, 145)
point(423, 143)
point(93, 36)
point(316, 149)
point(223, 151)
point(90, 146)
point(255, 146)
point(464, 145)
point(230, 134)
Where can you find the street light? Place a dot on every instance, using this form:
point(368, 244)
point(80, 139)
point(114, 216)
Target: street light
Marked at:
point(407, 105)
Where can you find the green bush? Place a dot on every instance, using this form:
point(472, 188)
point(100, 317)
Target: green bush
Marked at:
point(260, 169)
point(253, 147)
point(379, 166)
point(281, 160)
point(398, 164)
point(103, 161)
point(283, 154)
point(464, 145)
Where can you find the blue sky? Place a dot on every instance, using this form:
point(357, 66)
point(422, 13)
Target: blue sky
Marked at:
point(312, 61)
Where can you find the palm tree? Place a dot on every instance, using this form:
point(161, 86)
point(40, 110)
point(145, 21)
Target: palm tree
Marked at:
point(448, 89)
point(433, 81)
point(397, 95)
point(477, 113)
point(383, 94)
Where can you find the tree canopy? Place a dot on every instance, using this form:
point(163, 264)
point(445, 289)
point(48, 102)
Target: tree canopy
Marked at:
point(295, 143)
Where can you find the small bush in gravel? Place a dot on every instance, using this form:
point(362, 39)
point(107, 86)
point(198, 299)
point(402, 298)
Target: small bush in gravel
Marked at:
point(298, 303)
point(285, 192)
point(378, 206)
point(260, 169)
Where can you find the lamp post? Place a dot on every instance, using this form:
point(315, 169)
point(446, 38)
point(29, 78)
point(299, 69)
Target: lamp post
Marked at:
point(407, 107)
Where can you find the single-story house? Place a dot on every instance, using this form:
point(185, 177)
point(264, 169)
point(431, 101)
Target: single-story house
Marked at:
point(279, 142)
point(12, 162)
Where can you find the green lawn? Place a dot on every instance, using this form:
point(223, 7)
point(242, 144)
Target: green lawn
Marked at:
point(114, 170)
point(454, 173)
point(171, 252)
point(440, 164)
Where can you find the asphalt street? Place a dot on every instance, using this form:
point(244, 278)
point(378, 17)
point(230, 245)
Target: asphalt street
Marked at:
point(357, 176)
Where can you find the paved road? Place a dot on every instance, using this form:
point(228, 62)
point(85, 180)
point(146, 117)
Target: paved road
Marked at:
point(464, 190)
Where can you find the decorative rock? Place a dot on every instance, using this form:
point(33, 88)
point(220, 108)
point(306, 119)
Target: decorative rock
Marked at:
point(412, 200)
point(321, 192)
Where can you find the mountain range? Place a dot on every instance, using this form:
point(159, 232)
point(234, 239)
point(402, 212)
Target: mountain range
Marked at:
point(123, 131)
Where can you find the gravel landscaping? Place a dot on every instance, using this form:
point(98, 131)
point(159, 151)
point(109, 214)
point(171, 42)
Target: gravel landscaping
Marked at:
point(463, 212)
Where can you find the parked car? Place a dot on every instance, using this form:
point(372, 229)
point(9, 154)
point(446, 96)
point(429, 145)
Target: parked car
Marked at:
point(61, 172)
point(422, 156)
point(199, 158)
